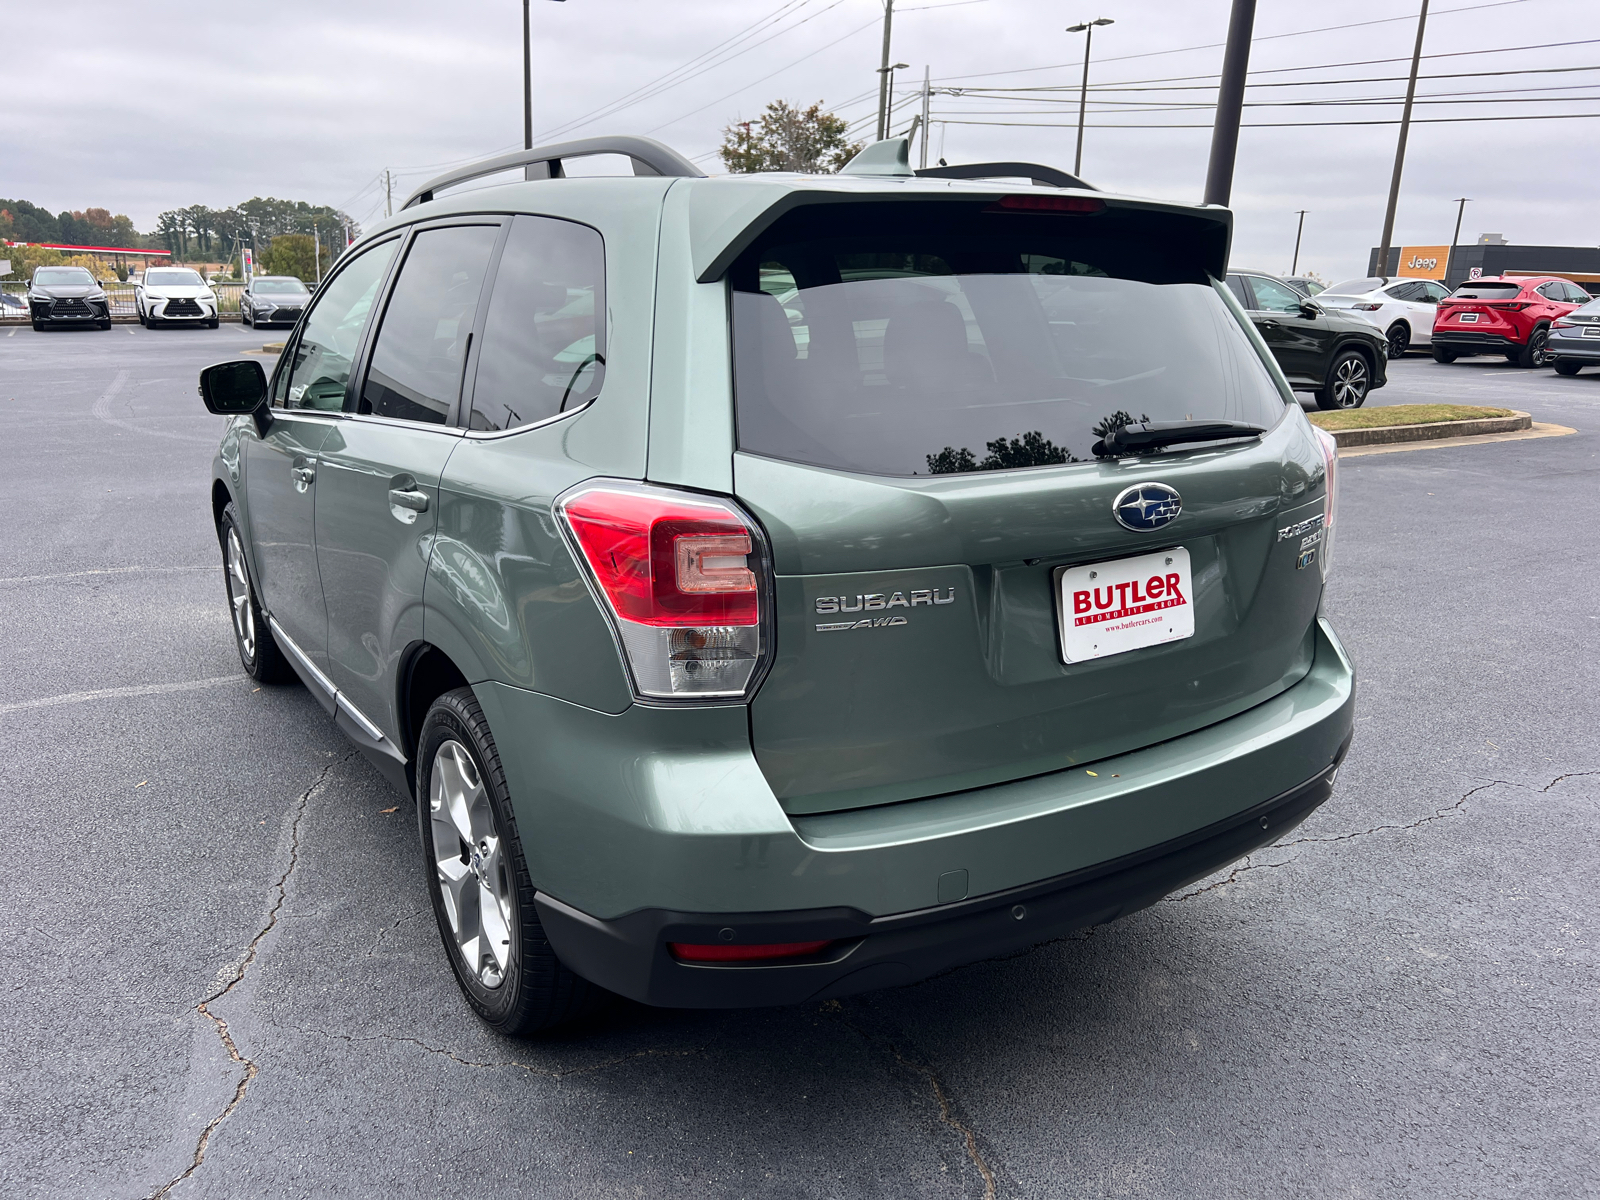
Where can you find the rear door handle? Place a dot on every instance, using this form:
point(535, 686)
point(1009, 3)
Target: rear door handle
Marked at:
point(416, 502)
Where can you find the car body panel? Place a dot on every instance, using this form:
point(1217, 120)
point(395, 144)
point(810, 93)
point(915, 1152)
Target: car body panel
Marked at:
point(67, 303)
point(281, 510)
point(1575, 337)
point(154, 300)
point(668, 807)
point(274, 307)
point(372, 555)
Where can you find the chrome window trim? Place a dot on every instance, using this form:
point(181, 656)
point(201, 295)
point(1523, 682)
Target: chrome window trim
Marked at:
point(401, 423)
point(491, 434)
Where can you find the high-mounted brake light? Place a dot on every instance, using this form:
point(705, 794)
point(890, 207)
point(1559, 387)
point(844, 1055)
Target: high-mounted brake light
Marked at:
point(1048, 204)
point(723, 952)
point(1330, 495)
point(681, 576)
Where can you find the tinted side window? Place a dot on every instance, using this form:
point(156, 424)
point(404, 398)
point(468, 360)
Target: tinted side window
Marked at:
point(1272, 296)
point(322, 357)
point(1241, 292)
point(1553, 291)
point(1576, 295)
point(422, 344)
point(544, 339)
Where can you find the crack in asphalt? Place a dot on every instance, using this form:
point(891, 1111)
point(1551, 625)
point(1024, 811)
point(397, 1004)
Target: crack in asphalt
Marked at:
point(240, 970)
point(388, 929)
point(941, 1096)
point(530, 1068)
point(1437, 815)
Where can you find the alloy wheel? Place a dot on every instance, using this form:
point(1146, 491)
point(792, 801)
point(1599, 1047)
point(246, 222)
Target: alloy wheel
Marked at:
point(1539, 347)
point(1350, 383)
point(475, 880)
point(1399, 340)
point(244, 618)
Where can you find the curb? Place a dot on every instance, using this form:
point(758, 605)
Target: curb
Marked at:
point(1539, 429)
point(1378, 435)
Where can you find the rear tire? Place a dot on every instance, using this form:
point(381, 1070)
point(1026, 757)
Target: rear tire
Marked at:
point(1565, 366)
point(478, 879)
point(1349, 381)
point(258, 652)
point(1399, 339)
point(1440, 354)
point(1537, 352)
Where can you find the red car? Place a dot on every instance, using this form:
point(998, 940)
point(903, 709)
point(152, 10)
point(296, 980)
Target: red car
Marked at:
point(1503, 316)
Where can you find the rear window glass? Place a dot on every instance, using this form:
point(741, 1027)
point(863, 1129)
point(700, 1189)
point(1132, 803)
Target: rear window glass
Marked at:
point(1487, 291)
point(941, 343)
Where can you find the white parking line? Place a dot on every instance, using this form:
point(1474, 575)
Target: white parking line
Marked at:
point(100, 571)
point(148, 689)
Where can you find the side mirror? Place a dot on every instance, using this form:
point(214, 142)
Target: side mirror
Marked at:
point(232, 388)
point(1310, 309)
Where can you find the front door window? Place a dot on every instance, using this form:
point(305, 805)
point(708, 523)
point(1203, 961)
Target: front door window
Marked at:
point(320, 370)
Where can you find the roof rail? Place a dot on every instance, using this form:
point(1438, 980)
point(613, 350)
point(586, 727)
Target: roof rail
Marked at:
point(649, 157)
point(1048, 176)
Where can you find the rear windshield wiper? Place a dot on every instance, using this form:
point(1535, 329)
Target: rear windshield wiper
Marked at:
point(1151, 435)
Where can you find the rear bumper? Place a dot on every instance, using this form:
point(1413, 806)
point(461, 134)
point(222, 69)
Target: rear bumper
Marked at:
point(653, 825)
point(1478, 343)
point(1575, 349)
point(629, 956)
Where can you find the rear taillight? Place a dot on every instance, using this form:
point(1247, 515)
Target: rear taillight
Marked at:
point(1366, 307)
point(1511, 305)
point(683, 578)
point(722, 952)
point(1330, 495)
point(1564, 325)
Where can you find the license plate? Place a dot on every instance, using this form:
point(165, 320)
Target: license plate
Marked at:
point(1591, 331)
point(1126, 604)
point(1468, 318)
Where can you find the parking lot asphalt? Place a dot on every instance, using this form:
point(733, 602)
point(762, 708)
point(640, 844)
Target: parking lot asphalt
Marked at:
point(222, 976)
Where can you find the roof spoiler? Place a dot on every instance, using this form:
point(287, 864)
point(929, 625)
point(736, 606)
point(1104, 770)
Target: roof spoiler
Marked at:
point(1042, 175)
point(649, 157)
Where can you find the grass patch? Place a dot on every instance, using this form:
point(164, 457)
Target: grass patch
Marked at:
point(1403, 414)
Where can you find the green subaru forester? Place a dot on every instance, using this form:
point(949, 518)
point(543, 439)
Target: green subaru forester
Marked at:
point(773, 587)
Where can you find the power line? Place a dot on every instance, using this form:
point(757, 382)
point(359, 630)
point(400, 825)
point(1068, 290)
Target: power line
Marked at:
point(1282, 124)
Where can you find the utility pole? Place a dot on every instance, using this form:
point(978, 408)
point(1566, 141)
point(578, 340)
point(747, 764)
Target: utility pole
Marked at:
point(1400, 148)
point(1087, 29)
point(888, 112)
point(927, 95)
point(883, 73)
point(1295, 268)
point(1450, 259)
point(388, 193)
point(316, 250)
point(527, 78)
point(1230, 103)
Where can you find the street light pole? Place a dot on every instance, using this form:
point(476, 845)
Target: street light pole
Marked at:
point(1450, 259)
point(888, 112)
point(527, 77)
point(1400, 148)
point(883, 73)
point(1230, 103)
point(1295, 268)
point(927, 95)
point(1087, 29)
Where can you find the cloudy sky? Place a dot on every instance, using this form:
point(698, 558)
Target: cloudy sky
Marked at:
point(143, 107)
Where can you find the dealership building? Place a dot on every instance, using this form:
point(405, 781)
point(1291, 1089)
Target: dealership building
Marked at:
point(1489, 256)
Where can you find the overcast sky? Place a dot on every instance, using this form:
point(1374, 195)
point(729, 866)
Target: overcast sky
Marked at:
point(313, 100)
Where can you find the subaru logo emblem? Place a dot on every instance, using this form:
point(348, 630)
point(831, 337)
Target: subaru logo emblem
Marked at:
point(1147, 506)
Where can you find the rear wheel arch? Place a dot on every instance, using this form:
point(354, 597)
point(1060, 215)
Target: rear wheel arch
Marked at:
point(428, 674)
point(220, 499)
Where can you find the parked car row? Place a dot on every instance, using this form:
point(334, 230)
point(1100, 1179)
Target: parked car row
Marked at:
point(1337, 345)
point(161, 296)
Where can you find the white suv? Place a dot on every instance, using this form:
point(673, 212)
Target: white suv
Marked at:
point(1403, 308)
point(176, 294)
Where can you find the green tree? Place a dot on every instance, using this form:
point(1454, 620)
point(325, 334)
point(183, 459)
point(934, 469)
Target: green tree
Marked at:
point(293, 254)
point(788, 138)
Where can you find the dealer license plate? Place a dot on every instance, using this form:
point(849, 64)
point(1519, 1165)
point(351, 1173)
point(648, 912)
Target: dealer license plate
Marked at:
point(1126, 604)
point(1468, 318)
point(1591, 331)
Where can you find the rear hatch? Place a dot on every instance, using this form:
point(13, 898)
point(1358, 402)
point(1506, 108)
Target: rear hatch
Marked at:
point(1479, 307)
point(919, 391)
